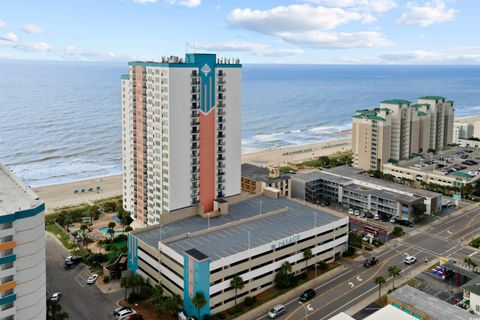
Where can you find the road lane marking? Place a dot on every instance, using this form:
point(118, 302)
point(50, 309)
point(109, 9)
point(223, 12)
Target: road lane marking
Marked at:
point(351, 284)
point(473, 253)
point(468, 225)
point(332, 288)
point(359, 279)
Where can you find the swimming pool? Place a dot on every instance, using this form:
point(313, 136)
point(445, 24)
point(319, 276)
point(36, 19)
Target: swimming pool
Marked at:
point(105, 229)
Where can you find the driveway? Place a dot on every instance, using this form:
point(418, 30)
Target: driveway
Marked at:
point(81, 301)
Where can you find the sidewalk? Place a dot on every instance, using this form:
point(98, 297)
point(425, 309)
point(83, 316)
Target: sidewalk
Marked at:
point(373, 296)
point(290, 295)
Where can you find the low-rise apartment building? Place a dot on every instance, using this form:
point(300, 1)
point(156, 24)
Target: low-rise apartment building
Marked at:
point(352, 188)
point(22, 251)
point(255, 179)
point(251, 239)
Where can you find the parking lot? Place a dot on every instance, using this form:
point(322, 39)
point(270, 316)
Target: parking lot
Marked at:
point(79, 300)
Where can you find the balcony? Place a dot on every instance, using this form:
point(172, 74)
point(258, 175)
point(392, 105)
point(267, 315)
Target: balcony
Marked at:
point(195, 162)
point(195, 113)
point(221, 97)
point(221, 119)
point(8, 299)
point(221, 150)
point(221, 80)
point(195, 123)
point(221, 158)
point(221, 112)
point(195, 130)
point(220, 187)
point(195, 98)
point(220, 173)
point(8, 312)
point(221, 89)
point(195, 154)
point(220, 128)
point(221, 105)
point(220, 180)
point(221, 142)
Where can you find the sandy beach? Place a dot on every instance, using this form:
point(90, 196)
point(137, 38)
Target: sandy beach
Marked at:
point(61, 195)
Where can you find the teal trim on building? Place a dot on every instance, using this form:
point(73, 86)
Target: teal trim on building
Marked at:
point(22, 214)
point(8, 299)
point(199, 271)
point(132, 253)
point(160, 64)
point(8, 259)
point(125, 77)
point(231, 65)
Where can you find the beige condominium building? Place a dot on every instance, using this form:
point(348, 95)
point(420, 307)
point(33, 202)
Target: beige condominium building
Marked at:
point(255, 179)
point(397, 129)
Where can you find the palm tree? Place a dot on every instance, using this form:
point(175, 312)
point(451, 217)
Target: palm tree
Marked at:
point(307, 254)
point(394, 272)
point(100, 244)
point(137, 280)
point(111, 229)
point(68, 221)
point(237, 284)
point(93, 212)
point(379, 281)
point(84, 229)
point(126, 283)
point(199, 301)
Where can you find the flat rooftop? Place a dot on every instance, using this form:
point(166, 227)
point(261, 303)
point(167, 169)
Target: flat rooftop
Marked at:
point(257, 173)
point(292, 219)
point(432, 306)
point(14, 194)
point(359, 174)
point(385, 194)
point(316, 175)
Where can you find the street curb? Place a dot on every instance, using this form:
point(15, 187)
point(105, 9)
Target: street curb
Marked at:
point(399, 282)
point(289, 295)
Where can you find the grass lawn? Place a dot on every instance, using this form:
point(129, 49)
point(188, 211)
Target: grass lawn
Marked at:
point(60, 235)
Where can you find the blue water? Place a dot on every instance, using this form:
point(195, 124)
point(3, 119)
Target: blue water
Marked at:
point(60, 121)
point(104, 230)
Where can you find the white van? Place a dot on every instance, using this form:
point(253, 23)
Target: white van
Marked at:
point(276, 311)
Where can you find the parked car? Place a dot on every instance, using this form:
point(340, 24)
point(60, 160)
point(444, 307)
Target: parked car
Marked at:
point(92, 278)
point(307, 295)
point(122, 315)
point(276, 311)
point(357, 212)
point(410, 260)
point(376, 217)
point(56, 296)
point(370, 262)
point(75, 259)
point(405, 223)
point(350, 211)
point(393, 220)
point(366, 238)
point(369, 215)
point(117, 311)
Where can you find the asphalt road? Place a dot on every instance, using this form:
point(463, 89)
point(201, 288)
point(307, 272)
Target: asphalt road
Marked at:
point(348, 288)
point(81, 301)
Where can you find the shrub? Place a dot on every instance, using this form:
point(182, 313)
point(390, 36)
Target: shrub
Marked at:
point(120, 238)
point(250, 301)
point(322, 265)
point(133, 297)
point(397, 232)
point(106, 279)
point(145, 292)
point(236, 310)
point(349, 252)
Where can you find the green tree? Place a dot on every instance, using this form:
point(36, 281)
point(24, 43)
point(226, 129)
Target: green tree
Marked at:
point(323, 161)
point(397, 232)
point(199, 301)
point(394, 272)
point(68, 221)
point(237, 284)
point(282, 278)
point(84, 229)
point(471, 264)
point(379, 281)
point(111, 229)
point(94, 213)
point(126, 282)
point(419, 210)
point(307, 255)
point(100, 244)
point(136, 280)
point(355, 240)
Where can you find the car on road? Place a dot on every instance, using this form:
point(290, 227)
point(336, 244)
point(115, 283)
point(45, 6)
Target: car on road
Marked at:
point(370, 262)
point(350, 211)
point(117, 311)
point(92, 278)
point(276, 311)
point(307, 295)
point(409, 260)
point(56, 296)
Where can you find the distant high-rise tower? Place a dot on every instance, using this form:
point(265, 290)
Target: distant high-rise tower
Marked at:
point(181, 125)
point(398, 129)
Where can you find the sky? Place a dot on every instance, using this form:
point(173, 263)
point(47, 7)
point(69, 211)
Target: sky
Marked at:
point(261, 31)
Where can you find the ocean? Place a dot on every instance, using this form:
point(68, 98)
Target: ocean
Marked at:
point(60, 121)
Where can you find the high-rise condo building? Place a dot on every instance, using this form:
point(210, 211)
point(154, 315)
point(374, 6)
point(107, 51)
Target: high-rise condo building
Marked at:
point(398, 129)
point(181, 135)
point(22, 251)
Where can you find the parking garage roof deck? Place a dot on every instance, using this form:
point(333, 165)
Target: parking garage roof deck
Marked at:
point(316, 175)
point(292, 218)
point(14, 194)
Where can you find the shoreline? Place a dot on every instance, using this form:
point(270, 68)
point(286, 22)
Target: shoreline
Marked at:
point(63, 194)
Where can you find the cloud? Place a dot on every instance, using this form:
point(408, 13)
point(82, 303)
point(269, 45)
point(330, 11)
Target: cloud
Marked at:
point(362, 5)
point(293, 18)
point(8, 38)
point(256, 49)
point(145, 1)
point(2, 23)
point(35, 46)
point(32, 29)
point(190, 3)
point(74, 53)
point(431, 12)
point(337, 40)
point(459, 55)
